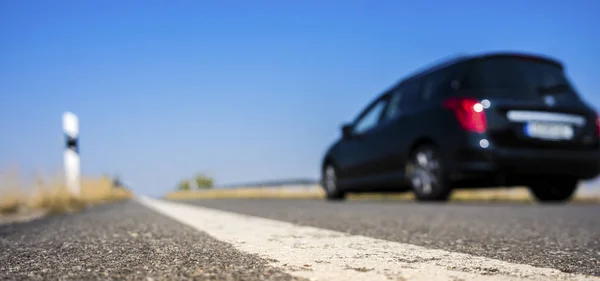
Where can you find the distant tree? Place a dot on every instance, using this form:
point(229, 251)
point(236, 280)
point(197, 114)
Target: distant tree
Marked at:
point(204, 182)
point(116, 182)
point(184, 185)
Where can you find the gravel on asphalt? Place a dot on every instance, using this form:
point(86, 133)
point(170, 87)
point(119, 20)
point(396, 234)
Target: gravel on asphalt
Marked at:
point(565, 237)
point(124, 241)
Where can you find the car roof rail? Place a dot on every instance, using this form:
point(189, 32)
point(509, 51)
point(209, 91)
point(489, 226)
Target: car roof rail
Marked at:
point(448, 60)
point(522, 54)
point(433, 66)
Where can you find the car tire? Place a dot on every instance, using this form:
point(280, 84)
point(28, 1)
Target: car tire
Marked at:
point(426, 174)
point(330, 184)
point(554, 189)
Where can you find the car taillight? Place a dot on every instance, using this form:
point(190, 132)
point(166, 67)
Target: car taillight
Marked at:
point(597, 125)
point(469, 113)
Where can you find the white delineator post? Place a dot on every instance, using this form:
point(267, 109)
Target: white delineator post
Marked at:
point(71, 155)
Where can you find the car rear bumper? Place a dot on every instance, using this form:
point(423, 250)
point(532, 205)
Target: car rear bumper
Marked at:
point(523, 161)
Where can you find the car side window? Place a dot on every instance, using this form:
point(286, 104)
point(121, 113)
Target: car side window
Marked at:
point(393, 109)
point(411, 92)
point(370, 119)
point(436, 84)
point(430, 86)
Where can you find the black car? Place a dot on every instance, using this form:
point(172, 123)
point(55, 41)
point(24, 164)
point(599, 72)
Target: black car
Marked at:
point(499, 119)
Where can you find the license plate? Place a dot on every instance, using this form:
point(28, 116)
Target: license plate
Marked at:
point(549, 131)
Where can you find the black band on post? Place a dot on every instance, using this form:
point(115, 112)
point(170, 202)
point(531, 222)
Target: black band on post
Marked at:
point(72, 144)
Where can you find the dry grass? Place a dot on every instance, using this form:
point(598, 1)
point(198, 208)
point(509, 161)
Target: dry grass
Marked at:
point(57, 199)
point(11, 201)
point(53, 197)
point(520, 195)
point(11, 196)
point(465, 195)
point(249, 193)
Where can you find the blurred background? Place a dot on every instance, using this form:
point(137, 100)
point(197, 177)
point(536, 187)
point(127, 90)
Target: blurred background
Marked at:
point(241, 91)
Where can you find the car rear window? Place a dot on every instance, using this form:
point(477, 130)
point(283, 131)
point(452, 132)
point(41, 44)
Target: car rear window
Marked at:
point(508, 73)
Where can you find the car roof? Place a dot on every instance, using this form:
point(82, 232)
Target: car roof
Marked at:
point(463, 58)
point(522, 55)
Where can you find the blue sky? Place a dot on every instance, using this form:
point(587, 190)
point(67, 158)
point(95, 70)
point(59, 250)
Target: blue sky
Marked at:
point(242, 90)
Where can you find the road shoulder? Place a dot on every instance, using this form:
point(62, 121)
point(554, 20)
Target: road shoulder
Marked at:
point(124, 241)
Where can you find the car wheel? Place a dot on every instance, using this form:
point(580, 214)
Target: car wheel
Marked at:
point(554, 189)
point(426, 175)
point(332, 191)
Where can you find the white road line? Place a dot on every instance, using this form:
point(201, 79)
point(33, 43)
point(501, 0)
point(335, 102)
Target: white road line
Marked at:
point(320, 254)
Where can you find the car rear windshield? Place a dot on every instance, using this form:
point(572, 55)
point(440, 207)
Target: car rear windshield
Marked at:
point(514, 73)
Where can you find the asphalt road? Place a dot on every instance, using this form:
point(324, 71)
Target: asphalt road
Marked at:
point(564, 237)
point(129, 241)
point(121, 242)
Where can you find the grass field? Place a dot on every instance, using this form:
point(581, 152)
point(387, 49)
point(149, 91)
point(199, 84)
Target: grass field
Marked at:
point(470, 195)
point(51, 196)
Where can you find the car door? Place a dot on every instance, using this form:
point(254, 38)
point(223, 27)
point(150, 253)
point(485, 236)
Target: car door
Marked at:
point(395, 131)
point(361, 150)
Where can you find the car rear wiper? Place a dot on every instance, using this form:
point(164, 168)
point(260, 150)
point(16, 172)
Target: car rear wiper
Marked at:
point(558, 88)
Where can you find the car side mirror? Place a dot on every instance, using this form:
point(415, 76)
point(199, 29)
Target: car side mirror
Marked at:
point(346, 131)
